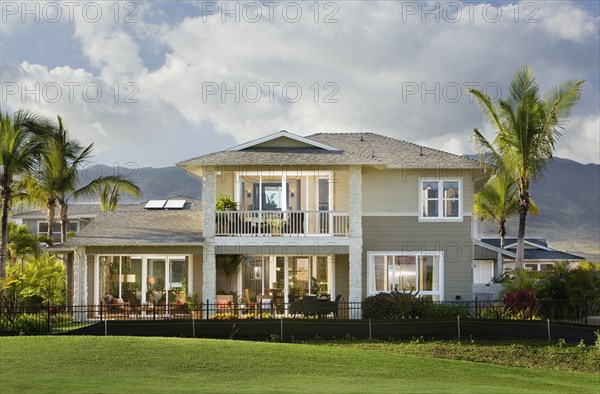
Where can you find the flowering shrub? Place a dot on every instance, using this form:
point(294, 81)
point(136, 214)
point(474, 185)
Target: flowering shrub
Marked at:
point(235, 316)
point(522, 304)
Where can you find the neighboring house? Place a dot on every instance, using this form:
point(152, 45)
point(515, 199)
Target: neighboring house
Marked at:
point(490, 261)
point(538, 257)
point(351, 214)
point(150, 247)
point(80, 215)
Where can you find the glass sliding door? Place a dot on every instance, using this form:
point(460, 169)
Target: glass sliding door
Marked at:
point(121, 277)
point(131, 280)
point(110, 271)
point(298, 276)
point(178, 280)
point(255, 276)
point(320, 276)
point(156, 281)
point(323, 203)
point(284, 276)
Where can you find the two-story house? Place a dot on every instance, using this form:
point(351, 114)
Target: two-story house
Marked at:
point(351, 214)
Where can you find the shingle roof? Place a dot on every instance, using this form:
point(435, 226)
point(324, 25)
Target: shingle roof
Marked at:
point(393, 152)
point(509, 241)
point(544, 252)
point(279, 156)
point(75, 210)
point(541, 254)
point(143, 227)
point(355, 148)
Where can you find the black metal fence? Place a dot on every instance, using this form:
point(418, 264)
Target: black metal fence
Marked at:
point(60, 319)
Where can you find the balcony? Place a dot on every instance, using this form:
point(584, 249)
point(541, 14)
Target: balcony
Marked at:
point(282, 223)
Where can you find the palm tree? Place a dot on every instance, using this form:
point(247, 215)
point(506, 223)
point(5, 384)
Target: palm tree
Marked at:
point(527, 128)
point(55, 181)
point(69, 155)
point(229, 264)
point(498, 200)
point(91, 190)
point(110, 193)
point(20, 149)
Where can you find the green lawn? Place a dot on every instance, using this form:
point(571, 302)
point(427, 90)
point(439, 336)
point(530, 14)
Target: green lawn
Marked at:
point(128, 364)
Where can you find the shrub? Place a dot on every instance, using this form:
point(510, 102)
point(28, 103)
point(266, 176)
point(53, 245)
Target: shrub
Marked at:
point(495, 312)
point(434, 310)
point(32, 323)
point(394, 305)
point(225, 202)
point(522, 304)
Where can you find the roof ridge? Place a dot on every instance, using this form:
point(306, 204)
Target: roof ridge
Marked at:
point(397, 140)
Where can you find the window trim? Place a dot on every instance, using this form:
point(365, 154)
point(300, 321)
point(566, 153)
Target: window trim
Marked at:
point(439, 254)
point(144, 258)
point(74, 221)
point(302, 175)
point(538, 266)
point(441, 200)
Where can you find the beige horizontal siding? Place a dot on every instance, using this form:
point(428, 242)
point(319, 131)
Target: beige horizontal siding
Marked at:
point(397, 234)
point(398, 190)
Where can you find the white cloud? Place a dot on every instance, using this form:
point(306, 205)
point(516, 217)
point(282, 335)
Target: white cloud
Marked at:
point(580, 140)
point(375, 56)
point(568, 23)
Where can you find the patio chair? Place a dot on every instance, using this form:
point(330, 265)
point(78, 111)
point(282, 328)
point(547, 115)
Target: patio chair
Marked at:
point(331, 307)
point(309, 305)
point(294, 305)
point(264, 303)
point(224, 303)
point(179, 310)
point(115, 308)
point(250, 305)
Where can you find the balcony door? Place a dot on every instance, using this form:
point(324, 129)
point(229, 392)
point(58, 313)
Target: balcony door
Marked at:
point(285, 192)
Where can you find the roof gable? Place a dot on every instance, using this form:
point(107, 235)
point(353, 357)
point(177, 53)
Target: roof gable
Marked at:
point(283, 139)
point(536, 249)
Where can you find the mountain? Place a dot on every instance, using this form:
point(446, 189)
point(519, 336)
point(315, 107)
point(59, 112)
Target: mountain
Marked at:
point(155, 183)
point(569, 200)
point(568, 197)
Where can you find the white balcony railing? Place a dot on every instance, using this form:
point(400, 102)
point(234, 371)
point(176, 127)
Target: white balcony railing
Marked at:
point(288, 223)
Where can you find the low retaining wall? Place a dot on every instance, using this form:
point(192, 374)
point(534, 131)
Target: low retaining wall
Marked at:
point(295, 329)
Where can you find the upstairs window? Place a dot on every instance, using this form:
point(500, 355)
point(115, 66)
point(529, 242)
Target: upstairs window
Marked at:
point(43, 227)
point(440, 199)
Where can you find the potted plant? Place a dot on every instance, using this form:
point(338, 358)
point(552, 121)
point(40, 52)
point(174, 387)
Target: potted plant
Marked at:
point(194, 305)
point(226, 203)
point(229, 263)
point(275, 225)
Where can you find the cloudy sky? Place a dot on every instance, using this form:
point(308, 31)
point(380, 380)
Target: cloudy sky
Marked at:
point(154, 83)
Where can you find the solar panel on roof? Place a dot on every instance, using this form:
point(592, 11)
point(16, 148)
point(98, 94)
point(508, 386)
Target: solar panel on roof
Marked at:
point(155, 204)
point(175, 204)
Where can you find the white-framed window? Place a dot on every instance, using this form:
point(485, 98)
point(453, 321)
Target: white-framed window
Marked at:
point(421, 272)
point(440, 199)
point(43, 227)
point(139, 279)
point(538, 266)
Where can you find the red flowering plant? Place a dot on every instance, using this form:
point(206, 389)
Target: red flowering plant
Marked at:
point(522, 304)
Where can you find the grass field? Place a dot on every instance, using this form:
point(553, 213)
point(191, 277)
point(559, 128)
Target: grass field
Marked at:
point(128, 364)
